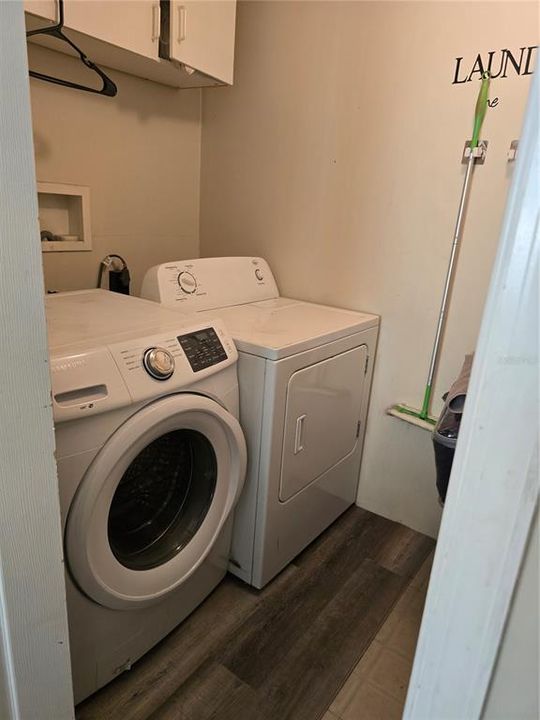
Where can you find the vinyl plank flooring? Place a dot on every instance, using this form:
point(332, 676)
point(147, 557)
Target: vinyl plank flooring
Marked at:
point(280, 653)
point(321, 661)
point(323, 569)
point(404, 551)
point(393, 546)
point(136, 693)
point(211, 692)
point(376, 689)
point(276, 626)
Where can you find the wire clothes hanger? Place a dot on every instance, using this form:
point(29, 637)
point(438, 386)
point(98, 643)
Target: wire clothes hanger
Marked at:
point(109, 88)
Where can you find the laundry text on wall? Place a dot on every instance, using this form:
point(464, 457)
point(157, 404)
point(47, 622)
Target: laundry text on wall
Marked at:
point(499, 63)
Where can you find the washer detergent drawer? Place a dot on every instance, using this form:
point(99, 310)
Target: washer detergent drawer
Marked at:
point(322, 413)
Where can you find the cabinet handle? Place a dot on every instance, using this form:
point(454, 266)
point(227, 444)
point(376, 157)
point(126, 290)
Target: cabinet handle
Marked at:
point(298, 446)
point(182, 23)
point(155, 22)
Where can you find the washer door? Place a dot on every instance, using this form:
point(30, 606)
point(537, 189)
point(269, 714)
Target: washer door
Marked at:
point(154, 501)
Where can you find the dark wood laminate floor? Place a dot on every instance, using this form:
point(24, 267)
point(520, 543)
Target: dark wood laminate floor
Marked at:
point(281, 653)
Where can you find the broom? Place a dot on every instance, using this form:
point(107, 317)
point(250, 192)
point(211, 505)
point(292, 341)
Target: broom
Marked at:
point(404, 411)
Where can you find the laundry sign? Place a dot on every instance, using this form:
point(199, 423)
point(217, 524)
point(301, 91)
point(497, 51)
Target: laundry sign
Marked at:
point(499, 63)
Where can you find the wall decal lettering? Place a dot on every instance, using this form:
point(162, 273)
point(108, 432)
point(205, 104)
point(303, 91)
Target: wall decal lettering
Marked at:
point(499, 63)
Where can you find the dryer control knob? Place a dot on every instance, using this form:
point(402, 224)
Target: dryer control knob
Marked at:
point(158, 363)
point(259, 274)
point(187, 282)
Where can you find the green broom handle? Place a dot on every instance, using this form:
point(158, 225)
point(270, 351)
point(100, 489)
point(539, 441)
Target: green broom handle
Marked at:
point(480, 109)
point(479, 115)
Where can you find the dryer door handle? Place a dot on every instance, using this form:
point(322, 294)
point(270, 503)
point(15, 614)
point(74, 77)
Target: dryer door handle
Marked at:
point(299, 434)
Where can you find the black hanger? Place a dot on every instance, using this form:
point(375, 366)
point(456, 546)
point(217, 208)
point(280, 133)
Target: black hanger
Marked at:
point(56, 31)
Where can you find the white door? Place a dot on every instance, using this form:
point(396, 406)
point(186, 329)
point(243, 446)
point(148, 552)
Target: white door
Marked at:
point(202, 36)
point(129, 24)
point(154, 501)
point(323, 408)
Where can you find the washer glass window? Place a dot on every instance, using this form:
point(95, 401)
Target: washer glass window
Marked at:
point(162, 499)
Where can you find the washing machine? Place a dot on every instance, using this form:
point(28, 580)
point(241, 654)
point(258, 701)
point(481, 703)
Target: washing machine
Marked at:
point(151, 462)
point(305, 375)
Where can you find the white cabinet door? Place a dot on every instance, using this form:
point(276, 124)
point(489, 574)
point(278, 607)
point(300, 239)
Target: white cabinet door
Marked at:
point(46, 9)
point(202, 36)
point(129, 24)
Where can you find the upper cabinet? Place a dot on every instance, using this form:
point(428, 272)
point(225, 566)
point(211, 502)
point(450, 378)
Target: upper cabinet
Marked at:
point(188, 44)
point(201, 36)
point(44, 9)
point(129, 24)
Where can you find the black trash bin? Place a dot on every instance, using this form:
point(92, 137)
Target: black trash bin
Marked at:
point(446, 430)
point(445, 438)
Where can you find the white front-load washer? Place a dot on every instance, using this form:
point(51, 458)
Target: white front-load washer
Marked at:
point(305, 375)
point(151, 462)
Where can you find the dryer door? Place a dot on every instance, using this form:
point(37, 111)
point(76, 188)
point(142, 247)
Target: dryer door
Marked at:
point(154, 501)
point(324, 403)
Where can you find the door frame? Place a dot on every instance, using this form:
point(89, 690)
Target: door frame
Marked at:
point(35, 675)
point(493, 490)
point(35, 671)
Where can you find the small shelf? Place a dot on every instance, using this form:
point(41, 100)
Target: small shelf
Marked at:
point(428, 425)
point(64, 211)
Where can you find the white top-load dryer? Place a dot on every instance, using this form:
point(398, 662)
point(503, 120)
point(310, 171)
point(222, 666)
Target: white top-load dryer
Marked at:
point(304, 374)
point(151, 462)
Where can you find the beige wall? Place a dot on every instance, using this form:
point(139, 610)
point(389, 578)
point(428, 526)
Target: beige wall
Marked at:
point(336, 155)
point(513, 693)
point(140, 155)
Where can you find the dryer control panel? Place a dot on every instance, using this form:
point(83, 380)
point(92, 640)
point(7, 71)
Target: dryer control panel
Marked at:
point(210, 283)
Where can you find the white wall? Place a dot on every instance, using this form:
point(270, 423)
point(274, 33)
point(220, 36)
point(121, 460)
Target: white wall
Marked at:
point(336, 155)
point(140, 155)
point(514, 686)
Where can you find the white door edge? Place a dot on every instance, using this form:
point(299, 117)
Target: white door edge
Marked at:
point(493, 489)
point(35, 673)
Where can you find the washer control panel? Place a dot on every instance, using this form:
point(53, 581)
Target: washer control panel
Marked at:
point(173, 360)
point(203, 348)
point(142, 367)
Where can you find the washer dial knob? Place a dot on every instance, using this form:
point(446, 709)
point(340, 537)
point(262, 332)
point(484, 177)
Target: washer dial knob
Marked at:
point(158, 363)
point(187, 282)
point(259, 274)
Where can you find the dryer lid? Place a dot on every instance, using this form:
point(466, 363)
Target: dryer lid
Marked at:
point(242, 291)
point(281, 327)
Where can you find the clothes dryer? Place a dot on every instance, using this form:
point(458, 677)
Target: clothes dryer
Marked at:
point(305, 376)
